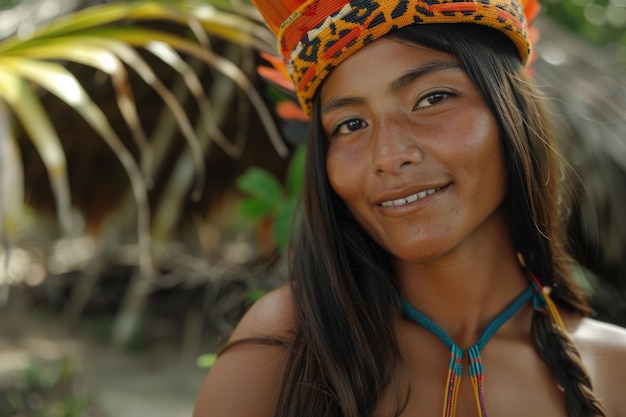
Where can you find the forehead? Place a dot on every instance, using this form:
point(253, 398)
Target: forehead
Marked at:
point(382, 64)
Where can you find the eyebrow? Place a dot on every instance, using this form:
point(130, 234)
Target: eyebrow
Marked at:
point(342, 101)
point(421, 71)
point(397, 85)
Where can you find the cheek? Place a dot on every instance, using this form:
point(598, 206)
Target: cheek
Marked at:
point(482, 153)
point(344, 170)
point(481, 131)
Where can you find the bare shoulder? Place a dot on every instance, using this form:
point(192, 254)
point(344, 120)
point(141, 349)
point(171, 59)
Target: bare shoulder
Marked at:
point(245, 379)
point(601, 338)
point(273, 315)
point(603, 350)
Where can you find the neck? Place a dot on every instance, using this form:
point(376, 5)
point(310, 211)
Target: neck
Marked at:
point(463, 293)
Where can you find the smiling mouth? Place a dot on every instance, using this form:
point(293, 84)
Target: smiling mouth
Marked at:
point(411, 198)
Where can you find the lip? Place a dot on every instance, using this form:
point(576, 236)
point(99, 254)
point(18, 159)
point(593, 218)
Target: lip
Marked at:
point(417, 196)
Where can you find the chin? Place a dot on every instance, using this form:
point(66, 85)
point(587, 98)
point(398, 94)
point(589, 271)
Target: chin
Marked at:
point(423, 252)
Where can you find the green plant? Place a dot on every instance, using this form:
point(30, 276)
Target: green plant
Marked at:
point(266, 197)
point(48, 390)
point(206, 361)
point(191, 60)
point(109, 38)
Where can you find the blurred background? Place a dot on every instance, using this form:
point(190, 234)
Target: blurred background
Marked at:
point(150, 160)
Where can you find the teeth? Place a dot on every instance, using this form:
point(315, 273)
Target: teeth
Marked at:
point(409, 199)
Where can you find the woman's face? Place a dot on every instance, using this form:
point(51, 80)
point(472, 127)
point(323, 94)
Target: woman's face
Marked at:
point(413, 150)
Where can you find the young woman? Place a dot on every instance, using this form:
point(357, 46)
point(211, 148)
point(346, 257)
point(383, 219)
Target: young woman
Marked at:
point(430, 274)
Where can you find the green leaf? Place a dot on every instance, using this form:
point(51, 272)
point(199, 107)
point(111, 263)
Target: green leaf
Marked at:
point(256, 295)
point(253, 208)
point(142, 37)
point(60, 82)
point(295, 173)
point(104, 55)
point(11, 179)
point(282, 224)
point(275, 95)
point(207, 360)
point(261, 184)
point(137, 63)
point(28, 109)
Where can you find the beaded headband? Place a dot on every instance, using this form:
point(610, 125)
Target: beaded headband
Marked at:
point(314, 36)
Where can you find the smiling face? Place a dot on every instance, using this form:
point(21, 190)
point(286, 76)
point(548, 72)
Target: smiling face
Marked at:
point(413, 151)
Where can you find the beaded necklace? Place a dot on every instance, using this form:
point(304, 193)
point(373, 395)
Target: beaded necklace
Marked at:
point(541, 299)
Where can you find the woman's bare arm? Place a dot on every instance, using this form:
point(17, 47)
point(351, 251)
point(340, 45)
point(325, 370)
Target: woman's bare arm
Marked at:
point(245, 379)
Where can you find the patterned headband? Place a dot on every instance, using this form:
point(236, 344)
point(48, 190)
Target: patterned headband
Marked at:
point(314, 36)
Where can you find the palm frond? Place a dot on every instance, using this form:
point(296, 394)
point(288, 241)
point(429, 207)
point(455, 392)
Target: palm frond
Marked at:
point(59, 81)
point(107, 38)
point(11, 178)
point(32, 115)
point(143, 38)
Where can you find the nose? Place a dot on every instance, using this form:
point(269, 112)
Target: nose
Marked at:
point(395, 147)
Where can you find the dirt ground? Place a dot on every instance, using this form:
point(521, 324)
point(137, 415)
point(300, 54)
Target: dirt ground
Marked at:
point(159, 382)
point(155, 385)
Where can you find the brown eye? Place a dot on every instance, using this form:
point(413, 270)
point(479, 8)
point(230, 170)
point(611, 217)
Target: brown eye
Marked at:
point(433, 99)
point(349, 126)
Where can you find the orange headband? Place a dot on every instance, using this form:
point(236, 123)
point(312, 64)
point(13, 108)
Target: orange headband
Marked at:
point(314, 36)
